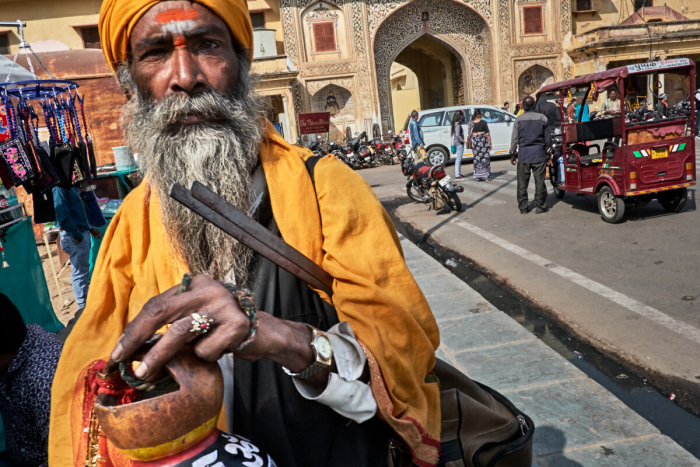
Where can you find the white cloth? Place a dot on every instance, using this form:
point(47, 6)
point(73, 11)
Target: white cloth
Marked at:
point(345, 393)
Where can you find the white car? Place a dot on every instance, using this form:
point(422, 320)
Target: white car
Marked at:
point(437, 131)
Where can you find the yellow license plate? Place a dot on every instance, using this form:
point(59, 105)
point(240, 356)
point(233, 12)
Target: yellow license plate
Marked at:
point(659, 153)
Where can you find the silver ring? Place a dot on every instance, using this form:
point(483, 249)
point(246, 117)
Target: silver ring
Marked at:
point(200, 324)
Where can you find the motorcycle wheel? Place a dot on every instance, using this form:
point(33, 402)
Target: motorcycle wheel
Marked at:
point(453, 201)
point(417, 193)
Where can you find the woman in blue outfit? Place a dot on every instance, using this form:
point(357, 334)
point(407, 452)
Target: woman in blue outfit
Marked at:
point(458, 142)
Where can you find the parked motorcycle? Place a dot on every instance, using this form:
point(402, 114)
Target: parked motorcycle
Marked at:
point(398, 146)
point(431, 186)
point(360, 148)
point(317, 147)
point(383, 152)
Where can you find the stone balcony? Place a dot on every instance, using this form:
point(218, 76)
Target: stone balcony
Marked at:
point(273, 67)
point(606, 37)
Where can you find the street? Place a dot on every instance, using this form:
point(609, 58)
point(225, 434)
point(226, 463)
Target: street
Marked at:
point(628, 289)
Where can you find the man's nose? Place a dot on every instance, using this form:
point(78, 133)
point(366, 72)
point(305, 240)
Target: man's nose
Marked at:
point(186, 75)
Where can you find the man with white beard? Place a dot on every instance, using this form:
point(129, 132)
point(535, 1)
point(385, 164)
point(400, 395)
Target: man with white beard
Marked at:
point(307, 391)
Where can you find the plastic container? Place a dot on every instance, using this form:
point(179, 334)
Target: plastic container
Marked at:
point(124, 158)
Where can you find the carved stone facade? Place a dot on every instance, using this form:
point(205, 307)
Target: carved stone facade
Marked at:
point(486, 37)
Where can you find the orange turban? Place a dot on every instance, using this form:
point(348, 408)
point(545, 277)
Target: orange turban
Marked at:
point(118, 18)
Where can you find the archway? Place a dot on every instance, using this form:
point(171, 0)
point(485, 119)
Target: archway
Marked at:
point(425, 75)
point(455, 28)
point(340, 103)
point(532, 79)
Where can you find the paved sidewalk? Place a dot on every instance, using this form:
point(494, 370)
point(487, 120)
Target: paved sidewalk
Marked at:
point(578, 422)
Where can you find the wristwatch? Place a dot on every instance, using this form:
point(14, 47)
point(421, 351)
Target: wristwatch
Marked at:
point(323, 355)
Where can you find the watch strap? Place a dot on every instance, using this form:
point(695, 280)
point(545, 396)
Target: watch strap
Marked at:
point(318, 365)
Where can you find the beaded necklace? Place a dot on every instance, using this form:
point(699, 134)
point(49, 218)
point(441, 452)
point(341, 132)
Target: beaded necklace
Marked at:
point(12, 123)
point(74, 117)
point(61, 121)
point(50, 123)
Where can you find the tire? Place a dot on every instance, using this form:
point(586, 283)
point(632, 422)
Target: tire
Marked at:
point(453, 201)
point(559, 193)
point(611, 207)
point(674, 200)
point(416, 193)
point(435, 156)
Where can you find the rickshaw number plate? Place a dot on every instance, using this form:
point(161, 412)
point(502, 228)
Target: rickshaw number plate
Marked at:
point(659, 153)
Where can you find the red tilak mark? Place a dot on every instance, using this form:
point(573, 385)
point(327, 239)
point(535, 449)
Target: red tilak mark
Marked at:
point(180, 42)
point(176, 14)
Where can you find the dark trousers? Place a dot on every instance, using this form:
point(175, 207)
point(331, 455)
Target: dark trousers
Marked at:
point(539, 171)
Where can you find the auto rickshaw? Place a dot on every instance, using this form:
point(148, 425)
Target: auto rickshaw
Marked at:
point(626, 153)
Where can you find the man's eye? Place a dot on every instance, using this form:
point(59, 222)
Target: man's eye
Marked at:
point(153, 54)
point(208, 45)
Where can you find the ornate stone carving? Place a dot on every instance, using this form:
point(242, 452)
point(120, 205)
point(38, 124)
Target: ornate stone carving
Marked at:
point(455, 24)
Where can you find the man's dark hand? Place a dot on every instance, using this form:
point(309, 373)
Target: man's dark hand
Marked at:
point(282, 341)
point(96, 233)
point(513, 159)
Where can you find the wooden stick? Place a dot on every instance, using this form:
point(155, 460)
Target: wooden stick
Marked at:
point(245, 230)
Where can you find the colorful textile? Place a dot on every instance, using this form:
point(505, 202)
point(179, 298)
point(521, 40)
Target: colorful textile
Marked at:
point(482, 157)
point(16, 162)
point(118, 18)
point(375, 293)
point(25, 397)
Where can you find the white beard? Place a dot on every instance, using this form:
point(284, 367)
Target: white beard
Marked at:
point(220, 154)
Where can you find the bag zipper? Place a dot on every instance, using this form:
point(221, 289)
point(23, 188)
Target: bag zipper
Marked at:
point(523, 423)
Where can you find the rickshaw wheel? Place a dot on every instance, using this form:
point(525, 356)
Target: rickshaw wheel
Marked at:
point(559, 193)
point(674, 200)
point(611, 208)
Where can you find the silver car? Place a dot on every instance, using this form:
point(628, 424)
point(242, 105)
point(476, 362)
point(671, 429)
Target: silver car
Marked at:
point(437, 130)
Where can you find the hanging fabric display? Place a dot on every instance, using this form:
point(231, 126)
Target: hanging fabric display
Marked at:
point(16, 161)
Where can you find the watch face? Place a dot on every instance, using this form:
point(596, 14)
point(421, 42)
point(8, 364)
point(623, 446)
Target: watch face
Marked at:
point(323, 347)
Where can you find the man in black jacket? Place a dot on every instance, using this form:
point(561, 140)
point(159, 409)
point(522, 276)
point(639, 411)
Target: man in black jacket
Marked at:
point(528, 147)
point(662, 106)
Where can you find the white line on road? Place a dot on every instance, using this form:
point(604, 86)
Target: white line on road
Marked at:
point(684, 329)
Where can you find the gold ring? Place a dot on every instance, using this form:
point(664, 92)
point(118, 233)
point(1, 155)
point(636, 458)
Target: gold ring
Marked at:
point(200, 324)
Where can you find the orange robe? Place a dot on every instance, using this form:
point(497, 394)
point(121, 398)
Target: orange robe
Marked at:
point(356, 244)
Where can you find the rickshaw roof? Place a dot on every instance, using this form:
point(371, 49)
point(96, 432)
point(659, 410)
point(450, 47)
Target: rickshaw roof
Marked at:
point(616, 73)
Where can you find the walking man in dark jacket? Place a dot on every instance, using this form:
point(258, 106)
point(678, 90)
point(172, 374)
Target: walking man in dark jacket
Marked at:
point(528, 147)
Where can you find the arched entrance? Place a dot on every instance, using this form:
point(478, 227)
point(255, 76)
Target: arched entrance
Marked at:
point(532, 79)
point(447, 28)
point(426, 74)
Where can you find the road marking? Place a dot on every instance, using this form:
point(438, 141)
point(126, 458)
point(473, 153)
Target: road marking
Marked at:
point(679, 327)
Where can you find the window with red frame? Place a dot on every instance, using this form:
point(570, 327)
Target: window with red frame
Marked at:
point(324, 37)
point(532, 20)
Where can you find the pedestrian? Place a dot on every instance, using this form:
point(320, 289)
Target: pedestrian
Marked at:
point(549, 109)
point(519, 109)
point(528, 148)
point(415, 132)
point(74, 236)
point(458, 142)
point(571, 111)
point(506, 107)
point(480, 141)
point(312, 383)
point(662, 106)
point(582, 110)
point(611, 105)
point(697, 113)
point(28, 359)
